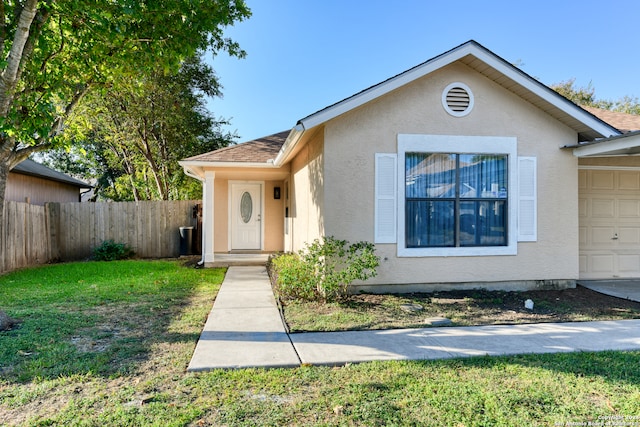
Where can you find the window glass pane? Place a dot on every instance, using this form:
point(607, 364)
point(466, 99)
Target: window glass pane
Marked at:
point(483, 176)
point(430, 175)
point(430, 223)
point(483, 223)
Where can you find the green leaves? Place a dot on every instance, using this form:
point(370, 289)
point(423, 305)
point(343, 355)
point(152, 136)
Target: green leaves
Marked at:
point(79, 43)
point(324, 269)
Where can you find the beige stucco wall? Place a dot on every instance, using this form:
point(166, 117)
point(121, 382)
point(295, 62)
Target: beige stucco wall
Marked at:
point(307, 192)
point(273, 217)
point(350, 144)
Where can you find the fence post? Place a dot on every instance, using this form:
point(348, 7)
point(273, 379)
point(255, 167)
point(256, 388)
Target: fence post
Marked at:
point(52, 211)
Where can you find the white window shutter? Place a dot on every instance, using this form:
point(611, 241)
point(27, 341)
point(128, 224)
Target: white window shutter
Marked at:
point(527, 200)
point(386, 199)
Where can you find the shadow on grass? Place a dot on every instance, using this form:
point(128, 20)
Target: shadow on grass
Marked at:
point(109, 334)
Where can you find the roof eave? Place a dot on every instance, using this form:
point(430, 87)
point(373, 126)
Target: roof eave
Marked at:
point(290, 144)
point(620, 145)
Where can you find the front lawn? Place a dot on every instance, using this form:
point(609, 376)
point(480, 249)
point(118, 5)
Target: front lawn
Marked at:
point(108, 344)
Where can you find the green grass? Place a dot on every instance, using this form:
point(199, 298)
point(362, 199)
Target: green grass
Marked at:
point(108, 344)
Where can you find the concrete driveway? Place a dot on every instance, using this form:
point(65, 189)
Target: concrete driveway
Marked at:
point(621, 288)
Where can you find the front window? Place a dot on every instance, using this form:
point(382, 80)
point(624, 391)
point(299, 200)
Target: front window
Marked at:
point(456, 200)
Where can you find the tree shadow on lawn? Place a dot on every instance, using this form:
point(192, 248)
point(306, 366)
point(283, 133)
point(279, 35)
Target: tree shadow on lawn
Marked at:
point(613, 367)
point(105, 340)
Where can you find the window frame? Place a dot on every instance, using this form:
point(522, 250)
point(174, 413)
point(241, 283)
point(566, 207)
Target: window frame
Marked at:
point(412, 143)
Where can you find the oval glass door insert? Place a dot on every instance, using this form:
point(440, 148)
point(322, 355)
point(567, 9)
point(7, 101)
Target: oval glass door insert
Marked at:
point(246, 207)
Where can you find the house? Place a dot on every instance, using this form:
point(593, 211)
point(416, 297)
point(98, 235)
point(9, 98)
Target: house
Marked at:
point(37, 184)
point(463, 170)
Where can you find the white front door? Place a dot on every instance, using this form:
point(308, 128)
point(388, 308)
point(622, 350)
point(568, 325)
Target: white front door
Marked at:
point(246, 216)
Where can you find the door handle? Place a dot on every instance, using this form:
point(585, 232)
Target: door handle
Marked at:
point(615, 237)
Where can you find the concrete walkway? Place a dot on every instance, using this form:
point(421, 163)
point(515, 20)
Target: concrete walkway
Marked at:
point(244, 329)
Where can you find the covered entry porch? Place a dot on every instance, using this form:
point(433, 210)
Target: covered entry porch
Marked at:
point(243, 201)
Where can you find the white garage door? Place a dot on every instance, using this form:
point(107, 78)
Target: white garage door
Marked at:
point(609, 206)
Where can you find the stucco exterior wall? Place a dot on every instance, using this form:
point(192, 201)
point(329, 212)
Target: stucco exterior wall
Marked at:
point(350, 144)
point(307, 193)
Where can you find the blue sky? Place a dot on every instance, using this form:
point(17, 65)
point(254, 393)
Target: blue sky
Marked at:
point(303, 55)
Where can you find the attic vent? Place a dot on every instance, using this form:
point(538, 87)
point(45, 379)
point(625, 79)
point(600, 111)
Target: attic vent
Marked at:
point(457, 99)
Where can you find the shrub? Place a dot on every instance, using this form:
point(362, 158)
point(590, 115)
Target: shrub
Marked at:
point(291, 278)
point(323, 270)
point(112, 251)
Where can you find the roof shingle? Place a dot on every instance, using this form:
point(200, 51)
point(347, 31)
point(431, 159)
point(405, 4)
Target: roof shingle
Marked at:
point(622, 121)
point(257, 151)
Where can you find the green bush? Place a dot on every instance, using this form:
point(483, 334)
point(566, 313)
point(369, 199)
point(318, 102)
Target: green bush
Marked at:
point(291, 278)
point(323, 270)
point(112, 251)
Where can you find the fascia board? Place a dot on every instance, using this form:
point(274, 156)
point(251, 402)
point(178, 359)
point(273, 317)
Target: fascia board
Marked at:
point(607, 147)
point(205, 164)
point(290, 143)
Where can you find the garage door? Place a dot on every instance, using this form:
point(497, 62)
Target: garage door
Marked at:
point(609, 207)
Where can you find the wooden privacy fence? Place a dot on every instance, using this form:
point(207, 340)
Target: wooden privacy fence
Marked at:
point(69, 231)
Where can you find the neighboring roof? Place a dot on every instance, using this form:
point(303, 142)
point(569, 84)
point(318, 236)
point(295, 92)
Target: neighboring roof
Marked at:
point(260, 150)
point(623, 121)
point(29, 167)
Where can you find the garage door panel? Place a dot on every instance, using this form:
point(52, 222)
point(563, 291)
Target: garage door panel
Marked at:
point(603, 208)
point(602, 263)
point(602, 236)
point(602, 180)
point(629, 209)
point(629, 236)
point(628, 180)
point(629, 264)
point(609, 223)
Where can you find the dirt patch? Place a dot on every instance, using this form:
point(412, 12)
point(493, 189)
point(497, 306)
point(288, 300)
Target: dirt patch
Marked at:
point(463, 308)
point(7, 323)
point(480, 307)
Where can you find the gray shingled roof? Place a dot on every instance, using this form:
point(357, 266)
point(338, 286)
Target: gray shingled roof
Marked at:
point(29, 167)
point(257, 151)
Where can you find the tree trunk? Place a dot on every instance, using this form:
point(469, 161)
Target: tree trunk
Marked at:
point(4, 174)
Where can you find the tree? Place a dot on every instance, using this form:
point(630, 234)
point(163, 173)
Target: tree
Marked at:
point(55, 52)
point(135, 131)
point(586, 96)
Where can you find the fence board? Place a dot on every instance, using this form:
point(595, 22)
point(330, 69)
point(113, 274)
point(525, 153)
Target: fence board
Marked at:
point(34, 234)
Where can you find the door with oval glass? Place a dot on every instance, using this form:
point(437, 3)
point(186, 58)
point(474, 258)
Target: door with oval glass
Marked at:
point(246, 216)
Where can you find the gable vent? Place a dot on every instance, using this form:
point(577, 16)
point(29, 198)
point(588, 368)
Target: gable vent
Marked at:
point(457, 99)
